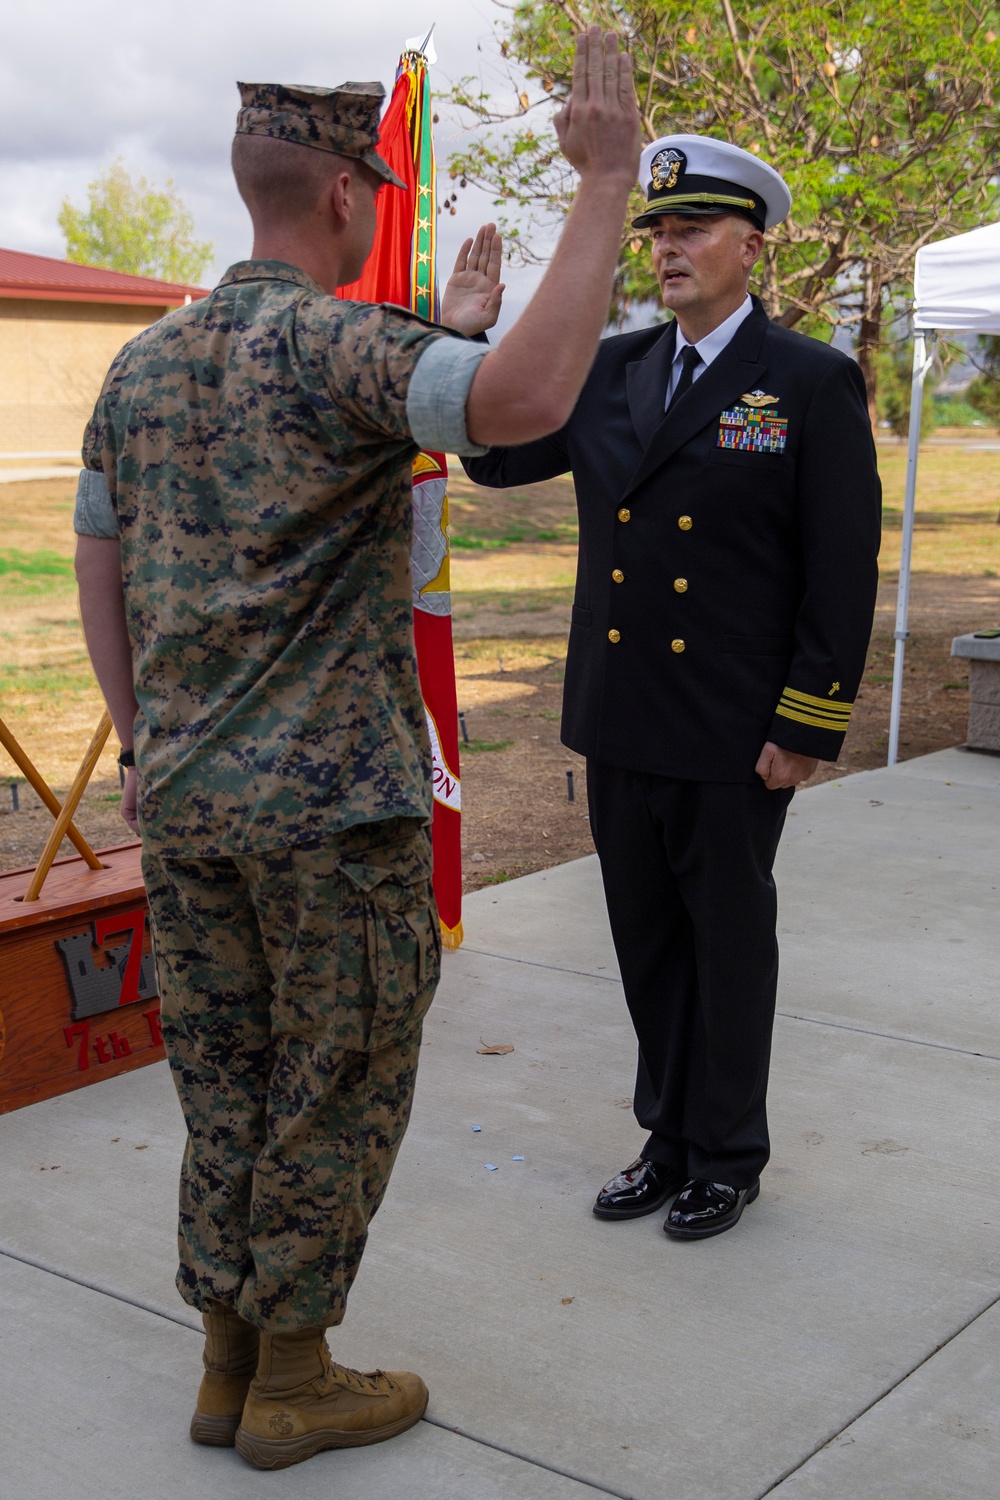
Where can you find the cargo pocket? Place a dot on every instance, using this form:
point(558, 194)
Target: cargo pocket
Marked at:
point(390, 956)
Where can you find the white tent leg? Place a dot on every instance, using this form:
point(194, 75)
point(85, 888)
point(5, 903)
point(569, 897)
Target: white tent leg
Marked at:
point(921, 364)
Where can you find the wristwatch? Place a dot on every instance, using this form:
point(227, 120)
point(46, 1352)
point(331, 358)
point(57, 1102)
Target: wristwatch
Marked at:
point(126, 759)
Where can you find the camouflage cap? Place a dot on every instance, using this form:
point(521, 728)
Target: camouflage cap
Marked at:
point(343, 120)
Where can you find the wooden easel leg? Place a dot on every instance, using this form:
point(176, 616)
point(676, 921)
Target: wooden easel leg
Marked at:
point(37, 781)
point(69, 807)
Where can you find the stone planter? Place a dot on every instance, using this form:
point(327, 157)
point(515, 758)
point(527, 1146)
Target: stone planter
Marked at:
point(982, 652)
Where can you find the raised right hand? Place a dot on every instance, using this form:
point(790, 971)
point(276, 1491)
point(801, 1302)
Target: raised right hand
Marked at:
point(598, 126)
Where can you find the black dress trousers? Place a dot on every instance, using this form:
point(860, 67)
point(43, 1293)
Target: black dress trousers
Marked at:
point(687, 877)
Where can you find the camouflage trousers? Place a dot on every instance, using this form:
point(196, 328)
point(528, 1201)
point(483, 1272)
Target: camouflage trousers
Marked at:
point(293, 987)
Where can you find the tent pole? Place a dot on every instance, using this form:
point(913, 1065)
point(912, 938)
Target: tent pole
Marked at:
point(921, 364)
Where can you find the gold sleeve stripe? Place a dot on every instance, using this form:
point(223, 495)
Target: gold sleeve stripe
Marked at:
point(818, 713)
point(809, 701)
point(835, 711)
point(822, 716)
point(814, 721)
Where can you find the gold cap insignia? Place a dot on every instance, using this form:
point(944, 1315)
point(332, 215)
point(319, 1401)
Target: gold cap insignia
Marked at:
point(666, 168)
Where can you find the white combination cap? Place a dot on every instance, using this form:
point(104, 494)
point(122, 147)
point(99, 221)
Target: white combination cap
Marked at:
point(696, 174)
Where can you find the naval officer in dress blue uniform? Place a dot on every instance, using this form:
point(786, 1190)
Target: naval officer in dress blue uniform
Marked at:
point(729, 510)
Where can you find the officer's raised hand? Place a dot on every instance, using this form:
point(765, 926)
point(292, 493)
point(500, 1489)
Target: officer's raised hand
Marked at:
point(527, 388)
point(473, 296)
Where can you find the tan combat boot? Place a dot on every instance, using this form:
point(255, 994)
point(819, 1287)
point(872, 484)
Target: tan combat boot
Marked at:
point(300, 1402)
point(232, 1348)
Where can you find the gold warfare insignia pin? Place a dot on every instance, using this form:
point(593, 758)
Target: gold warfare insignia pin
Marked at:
point(666, 167)
point(759, 398)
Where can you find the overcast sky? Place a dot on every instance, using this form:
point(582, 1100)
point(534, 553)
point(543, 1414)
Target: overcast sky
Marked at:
point(84, 81)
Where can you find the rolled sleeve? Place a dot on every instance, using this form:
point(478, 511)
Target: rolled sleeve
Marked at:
point(439, 389)
point(94, 514)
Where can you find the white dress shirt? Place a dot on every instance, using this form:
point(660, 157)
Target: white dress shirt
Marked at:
point(710, 347)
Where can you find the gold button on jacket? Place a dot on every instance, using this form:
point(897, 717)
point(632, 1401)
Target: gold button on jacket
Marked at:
point(684, 522)
point(677, 646)
point(681, 585)
point(624, 514)
point(618, 576)
point(614, 636)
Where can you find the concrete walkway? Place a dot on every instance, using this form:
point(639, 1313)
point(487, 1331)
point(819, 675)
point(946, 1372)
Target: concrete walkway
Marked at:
point(843, 1341)
point(46, 471)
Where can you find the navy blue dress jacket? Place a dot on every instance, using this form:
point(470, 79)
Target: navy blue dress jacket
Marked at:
point(727, 567)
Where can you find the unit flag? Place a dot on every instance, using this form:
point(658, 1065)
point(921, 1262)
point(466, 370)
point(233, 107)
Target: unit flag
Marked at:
point(402, 269)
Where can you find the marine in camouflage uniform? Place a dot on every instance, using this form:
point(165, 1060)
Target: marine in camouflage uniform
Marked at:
point(252, 452)
point(245, 594)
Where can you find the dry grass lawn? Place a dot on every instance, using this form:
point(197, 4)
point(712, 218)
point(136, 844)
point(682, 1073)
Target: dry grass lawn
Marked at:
point(956, 530)
point(512, 574)
point(49, 697)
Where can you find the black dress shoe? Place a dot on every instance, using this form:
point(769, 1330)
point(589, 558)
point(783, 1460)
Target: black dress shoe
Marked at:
point(640, 1189)
point(704, 1208)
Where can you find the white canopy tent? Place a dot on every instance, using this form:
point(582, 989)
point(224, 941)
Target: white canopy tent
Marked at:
point(956, 287)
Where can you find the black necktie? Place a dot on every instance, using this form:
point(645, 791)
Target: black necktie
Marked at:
point(690, 358)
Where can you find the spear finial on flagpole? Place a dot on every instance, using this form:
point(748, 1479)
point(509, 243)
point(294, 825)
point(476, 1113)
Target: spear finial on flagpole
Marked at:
point(424, 48)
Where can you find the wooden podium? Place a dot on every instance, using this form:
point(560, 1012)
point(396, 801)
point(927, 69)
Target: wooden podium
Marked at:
point(78, 993)
point(78, 990)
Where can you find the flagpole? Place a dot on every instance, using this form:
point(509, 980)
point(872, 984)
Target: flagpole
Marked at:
point(401, 269)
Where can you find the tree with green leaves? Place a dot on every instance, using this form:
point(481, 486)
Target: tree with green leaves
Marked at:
point(984, 392)
point(132, 225)
point(894, 371)
point(882, 119)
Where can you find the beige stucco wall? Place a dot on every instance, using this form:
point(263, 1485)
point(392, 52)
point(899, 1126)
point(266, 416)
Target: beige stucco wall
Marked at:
point(53, 359)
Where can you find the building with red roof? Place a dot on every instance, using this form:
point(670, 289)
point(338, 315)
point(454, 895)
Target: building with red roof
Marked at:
point(60, 327)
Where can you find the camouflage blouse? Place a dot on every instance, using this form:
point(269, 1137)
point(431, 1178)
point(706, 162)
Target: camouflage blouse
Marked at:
point(257, 449)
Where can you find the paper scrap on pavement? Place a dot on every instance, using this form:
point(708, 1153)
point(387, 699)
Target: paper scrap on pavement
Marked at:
point(497, 1050)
